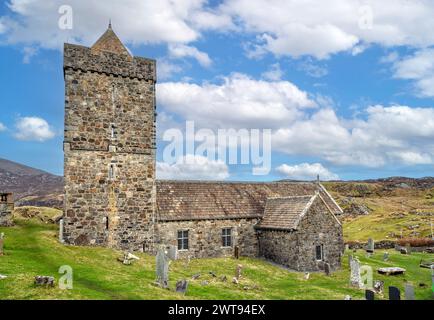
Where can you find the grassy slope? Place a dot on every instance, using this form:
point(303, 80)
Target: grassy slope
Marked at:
point(31, 248)
point(393, 212)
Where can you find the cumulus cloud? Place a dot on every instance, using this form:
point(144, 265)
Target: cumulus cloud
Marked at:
point(33, 129)
point(322, 28)
point(312, 69)
point(166, 69)
point(306, 171)
point(183, 51)
point(238, 102)
point(2, 127)
point(274, 73)
point(135, 21)
point(418, 67)
point(192, 167)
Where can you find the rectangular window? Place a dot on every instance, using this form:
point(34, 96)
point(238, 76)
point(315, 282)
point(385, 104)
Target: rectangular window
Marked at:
point(319, 252)
point(112, 172)
point(4, 198)
point(183, 240)
point(227, 237)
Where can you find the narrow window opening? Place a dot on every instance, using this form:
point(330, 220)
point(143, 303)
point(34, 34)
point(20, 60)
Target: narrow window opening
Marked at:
point(4, 198)
point(183, 240)
point(106, 223)
point(227, 237)
point(319, 252)
point(112, 131)
point(112, 172)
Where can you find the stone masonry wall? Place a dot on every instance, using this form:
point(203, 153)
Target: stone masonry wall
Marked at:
point(109, 149)
point(296, 249)
point(205, 238)
point(6, 214)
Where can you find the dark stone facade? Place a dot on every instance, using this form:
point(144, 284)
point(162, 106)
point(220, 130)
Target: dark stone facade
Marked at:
point(6, 209)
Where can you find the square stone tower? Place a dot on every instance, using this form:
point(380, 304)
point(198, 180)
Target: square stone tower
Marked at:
point(109, 146)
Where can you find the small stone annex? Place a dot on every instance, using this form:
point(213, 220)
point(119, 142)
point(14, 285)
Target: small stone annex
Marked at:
point(112, 197)
point(6, 209)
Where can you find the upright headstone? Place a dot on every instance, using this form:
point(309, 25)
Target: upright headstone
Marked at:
point(2, 236)
point(327, 270)
point(378, 286)
point(350, 259)
point(237, 252)
point(238, 271)
point(61, 230)
point(409, 292)
point(172, 252)
point(386, 256)
point(370, 246)
point(162, 267)
point(347, 247)
point(408, 247)
point(181, 286)
point(369, 295)
point(394, 293)
point(355, 279)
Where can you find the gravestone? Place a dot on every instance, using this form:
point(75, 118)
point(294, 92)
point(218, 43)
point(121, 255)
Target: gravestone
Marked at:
point(350, 259)
point(223, 278)
point(347, 247)
point(370, 246)
point(2, 236)
point(162, 267)
point(327, 269)
point(409, 292)
point(172, 252)
point(369, 295)
point(408, 248)
point(355, 279)
point(181, 286)
point(378, 286)
point(306, 275)
point(44, 281)
point(237, 252)
point(238, 271)
point(61, 230)
point(391, 271)
point(394, 293)
point(386, 256)
point(403, 250)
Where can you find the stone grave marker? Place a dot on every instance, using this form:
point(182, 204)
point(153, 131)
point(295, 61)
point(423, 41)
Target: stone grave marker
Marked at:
point(306, 275)
point(238, 271)
point(386, 256)
point(181, 286)
point(46, 281)
point(162, 267)
point(350, 259)
point(369, 295)
point(61, 230)
point(370, 246)
point(378, 286)
point(409, 292)
point(2, 236)
point(172, 252)
point(394, 293)
point(408, 248)
point(237, 252)
point(355, 279)
point(327, 270)
point(347, 247)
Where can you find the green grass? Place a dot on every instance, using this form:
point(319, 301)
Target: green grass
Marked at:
point(31, 248)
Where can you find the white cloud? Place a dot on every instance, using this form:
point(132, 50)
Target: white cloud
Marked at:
point(238, 102)
point(2, 127)
point(33, 129)
point(322, 28)
point(194, 168)
point(182, 51)
point(166, 69)
point(274, 73)
point(306, 171)
point(312, 69)
point(418, 67)
point(28, 53)
point(135, 21)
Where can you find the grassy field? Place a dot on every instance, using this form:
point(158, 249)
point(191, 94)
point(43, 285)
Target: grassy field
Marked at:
point(31, 248)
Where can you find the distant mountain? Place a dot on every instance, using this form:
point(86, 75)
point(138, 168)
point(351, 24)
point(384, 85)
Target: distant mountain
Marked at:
point(31, 186)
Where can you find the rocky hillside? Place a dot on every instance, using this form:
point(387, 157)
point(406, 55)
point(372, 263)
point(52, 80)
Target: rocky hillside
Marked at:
point(30, 186)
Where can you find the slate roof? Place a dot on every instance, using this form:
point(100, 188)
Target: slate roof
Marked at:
point(110, 42)
point(284, 213)
point(200, 200)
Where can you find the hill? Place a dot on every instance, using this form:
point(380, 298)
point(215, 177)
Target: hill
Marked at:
point(30, 186)
point(32, 248)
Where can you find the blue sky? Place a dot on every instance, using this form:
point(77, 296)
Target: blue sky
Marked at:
point(347, 90)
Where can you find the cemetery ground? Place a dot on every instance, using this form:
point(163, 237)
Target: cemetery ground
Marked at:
point(32, 248)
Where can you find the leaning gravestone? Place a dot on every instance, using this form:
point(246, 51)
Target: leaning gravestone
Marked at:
point(369, 295)
point(394, 293)
point(355, 279)
point(2, 236)
point(162, 267)
point(409, 292)
point(181, 286)
point(371, 246)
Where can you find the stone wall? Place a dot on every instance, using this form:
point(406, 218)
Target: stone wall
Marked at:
point(296, 249)
point(205, 237)
point(109, 149)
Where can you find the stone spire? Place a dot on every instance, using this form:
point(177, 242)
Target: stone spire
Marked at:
point(110, 42)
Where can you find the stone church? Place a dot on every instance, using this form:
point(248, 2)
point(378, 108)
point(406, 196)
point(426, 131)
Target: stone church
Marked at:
point(112, 197)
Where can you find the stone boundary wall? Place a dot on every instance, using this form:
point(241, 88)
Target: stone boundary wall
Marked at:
point(387, 244)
